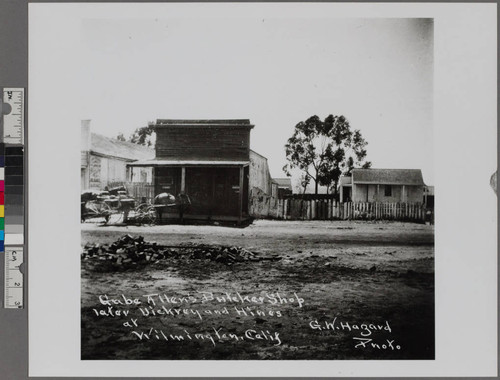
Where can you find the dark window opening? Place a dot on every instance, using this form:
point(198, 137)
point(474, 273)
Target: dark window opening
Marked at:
point(388, 191)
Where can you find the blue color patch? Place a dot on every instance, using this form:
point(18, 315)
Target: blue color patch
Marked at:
point(2, 161)
point(2, 248)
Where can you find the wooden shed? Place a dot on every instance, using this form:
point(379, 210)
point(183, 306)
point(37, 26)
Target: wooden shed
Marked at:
point(206, 159)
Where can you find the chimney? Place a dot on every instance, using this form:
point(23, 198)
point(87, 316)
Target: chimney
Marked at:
point(85, 137)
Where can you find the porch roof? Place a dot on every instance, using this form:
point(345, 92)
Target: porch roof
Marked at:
point(154, 163)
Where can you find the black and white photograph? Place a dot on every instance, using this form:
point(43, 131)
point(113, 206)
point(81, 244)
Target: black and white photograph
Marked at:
point(257, 189)
point(262, 189)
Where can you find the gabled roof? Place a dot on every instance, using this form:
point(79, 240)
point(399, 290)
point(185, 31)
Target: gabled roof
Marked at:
point(388, 176)
point(235, 123)
point(258, 154)
point(283, 182)
point(107, 146)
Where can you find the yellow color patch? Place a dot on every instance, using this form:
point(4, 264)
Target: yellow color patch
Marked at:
point(1, 211)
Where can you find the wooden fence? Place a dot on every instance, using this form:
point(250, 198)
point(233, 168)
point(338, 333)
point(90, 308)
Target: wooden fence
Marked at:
point(137, 190)
point(140, 190)
point(329, 209)
point(323, 208)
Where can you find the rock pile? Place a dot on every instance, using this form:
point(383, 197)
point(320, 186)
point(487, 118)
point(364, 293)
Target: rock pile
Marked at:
point(130, 250)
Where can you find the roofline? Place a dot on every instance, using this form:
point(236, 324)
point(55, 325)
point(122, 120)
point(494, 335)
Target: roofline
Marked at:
point(258, 154)
point(204, 121)
point(110, 156)
point(127, 143)
point(387, 183)
point(356, 182)
point(373, 169)
point(160, 123)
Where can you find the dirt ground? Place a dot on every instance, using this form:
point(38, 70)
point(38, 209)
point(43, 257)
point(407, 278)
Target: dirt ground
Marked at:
point(341, 290)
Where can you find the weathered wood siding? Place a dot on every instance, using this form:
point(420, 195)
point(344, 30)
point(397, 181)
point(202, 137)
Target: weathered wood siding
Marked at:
point(263, 206)
point(203, 143)
point(260, 177)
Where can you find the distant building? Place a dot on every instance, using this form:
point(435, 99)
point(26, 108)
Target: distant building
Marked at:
point(382, 185)
point(284, 186)
point(429, 196)
point(104, 160)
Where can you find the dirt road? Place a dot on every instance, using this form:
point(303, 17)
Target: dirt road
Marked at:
point(342, 290)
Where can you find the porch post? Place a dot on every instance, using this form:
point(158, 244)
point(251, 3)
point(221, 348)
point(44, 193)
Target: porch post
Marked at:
point(341, 193)
point(403, 194)
point(378, 192)
point(153, 179)
point(183, 179)
point(240, 198)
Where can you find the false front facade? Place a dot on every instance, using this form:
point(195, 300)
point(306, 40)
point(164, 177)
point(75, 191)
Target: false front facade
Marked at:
point(208, 160)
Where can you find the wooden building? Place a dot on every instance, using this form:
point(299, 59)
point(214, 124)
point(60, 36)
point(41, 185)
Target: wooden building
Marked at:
point(260, 181)
point(206, 159)
point(382, 185)
point(284, 186)
point(104, 160)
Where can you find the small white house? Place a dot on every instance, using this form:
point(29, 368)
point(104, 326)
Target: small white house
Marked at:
point(382, 185)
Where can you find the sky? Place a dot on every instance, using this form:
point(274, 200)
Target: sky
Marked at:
point(378, 73)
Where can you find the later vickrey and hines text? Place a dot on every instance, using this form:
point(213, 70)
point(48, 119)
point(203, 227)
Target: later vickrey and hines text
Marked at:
point(138, 310)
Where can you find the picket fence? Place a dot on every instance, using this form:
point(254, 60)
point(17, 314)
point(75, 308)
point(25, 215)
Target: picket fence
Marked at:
point(308, 208)
point(136, 190)
point(329, 209)
point(141, 190)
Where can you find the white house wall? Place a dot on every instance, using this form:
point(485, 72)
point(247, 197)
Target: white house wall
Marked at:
point(368, 193)
point(259, 176)
point(415, 194)
point(142, 174)
point(104, 171)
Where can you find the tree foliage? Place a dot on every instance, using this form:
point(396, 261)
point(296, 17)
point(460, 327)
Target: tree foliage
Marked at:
point(121, 137)
point(143, 135)
point(325, 149)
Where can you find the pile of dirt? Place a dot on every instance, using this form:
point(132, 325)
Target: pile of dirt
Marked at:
point(129, 250)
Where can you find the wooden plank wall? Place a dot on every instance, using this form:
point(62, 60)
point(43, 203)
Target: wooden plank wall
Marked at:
point(202, 143)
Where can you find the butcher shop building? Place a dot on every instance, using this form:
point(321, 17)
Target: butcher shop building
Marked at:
point(209, 160)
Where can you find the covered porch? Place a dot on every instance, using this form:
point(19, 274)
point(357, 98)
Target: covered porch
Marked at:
point(218, 190)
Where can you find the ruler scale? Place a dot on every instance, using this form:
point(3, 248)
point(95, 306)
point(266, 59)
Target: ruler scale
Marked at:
point(13, 294)
point(13, 122)
point(12, 195)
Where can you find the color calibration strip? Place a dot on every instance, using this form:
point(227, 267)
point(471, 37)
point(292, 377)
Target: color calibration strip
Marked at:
point(12, 194)
point(13, 209)
point(2, 196)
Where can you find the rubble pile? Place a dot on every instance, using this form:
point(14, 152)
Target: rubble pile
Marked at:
point(130, 250)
